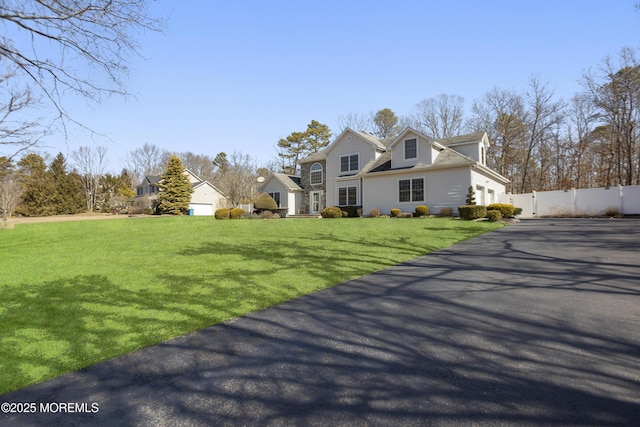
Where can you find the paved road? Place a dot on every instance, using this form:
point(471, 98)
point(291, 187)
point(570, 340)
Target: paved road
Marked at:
point(537, 323)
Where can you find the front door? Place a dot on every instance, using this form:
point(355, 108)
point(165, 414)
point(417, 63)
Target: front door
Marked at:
point(314, 201)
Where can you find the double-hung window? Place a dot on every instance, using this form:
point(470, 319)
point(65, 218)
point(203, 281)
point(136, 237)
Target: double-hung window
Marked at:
point(349, 163)
point(347, 196)
point(411, 190)
point(410, 149)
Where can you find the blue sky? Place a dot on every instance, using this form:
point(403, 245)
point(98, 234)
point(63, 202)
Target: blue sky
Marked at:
point(240, 75)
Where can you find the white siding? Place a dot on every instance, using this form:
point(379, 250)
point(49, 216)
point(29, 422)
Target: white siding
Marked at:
point(425, 152)
point(350, 182)
point(289, 199)
point(207, 195)
point(443, 188)
point(491, 191)
point(470, 150)
point(350, 143)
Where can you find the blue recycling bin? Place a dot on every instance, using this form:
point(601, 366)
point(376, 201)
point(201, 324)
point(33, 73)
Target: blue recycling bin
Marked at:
point(191, 212)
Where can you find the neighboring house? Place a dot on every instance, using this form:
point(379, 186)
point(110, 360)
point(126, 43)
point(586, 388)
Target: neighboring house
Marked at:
point(205, 198)
point(285, 190)
point(358, 169)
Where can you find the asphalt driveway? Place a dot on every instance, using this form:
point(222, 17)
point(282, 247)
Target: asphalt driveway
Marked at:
point(537, 323)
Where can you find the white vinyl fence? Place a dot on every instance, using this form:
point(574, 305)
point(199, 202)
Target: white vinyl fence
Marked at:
point(591, 201)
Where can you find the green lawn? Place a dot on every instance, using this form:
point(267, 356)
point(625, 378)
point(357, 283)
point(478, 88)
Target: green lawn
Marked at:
point(75, 293)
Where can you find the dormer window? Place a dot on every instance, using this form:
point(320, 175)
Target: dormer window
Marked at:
point(410, 149)
point(315, 176)
point(349, 163)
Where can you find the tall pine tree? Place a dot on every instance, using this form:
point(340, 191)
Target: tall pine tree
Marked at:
point(69, 194)
point(175, 189)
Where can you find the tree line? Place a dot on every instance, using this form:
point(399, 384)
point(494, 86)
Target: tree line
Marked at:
point(538, 141)
point(38, 186)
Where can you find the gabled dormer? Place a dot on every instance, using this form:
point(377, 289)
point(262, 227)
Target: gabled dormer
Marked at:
point(474, 145)
point(412, 148)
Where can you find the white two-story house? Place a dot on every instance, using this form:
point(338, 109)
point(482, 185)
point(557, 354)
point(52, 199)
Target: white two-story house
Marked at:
point(360, 170)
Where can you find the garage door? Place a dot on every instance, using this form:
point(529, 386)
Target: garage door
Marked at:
point(201, 209)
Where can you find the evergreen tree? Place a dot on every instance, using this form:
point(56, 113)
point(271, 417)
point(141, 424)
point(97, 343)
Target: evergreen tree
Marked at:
point(175, 189)
point(301, 144)
point(386, 123)
point(471, 196)
point(114, 191)
point(317, 136)
point(68, 197)
point(291, 149)
point(38, 187)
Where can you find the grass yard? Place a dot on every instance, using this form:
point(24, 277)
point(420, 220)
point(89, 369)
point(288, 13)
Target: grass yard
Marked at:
point(76, 293)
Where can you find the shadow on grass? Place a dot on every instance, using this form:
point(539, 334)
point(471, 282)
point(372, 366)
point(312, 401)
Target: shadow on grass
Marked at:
point(57, 326)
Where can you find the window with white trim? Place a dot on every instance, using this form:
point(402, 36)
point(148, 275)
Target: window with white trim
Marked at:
point(410, 149)
point(315, 176)
point(411, 190)
point(350, 163)
point(348, 196)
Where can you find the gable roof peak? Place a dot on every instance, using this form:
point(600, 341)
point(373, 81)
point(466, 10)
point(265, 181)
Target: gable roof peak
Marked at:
point(371, 139)
point(401, 136)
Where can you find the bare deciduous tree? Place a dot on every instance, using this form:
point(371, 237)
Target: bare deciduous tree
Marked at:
point(10, 188)
point(615, 91)
point(355, 121)
point(146, 160)
point(90, 163)
point(542, 118)
point(200, 164)
point(237, 177)
point(581, 119)
point(440, 117)
point(54, 43)
point(19, 130)
point(501, 114)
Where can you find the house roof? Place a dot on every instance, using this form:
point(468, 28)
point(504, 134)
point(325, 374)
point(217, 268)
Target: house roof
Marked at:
point(151, 179)
point(315, 157)
point(195, 183)
point(463, 139)
point(371, 139)
point(291, 182)
point(448, 158)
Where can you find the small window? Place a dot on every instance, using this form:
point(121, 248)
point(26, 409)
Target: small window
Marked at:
point(315, 177)
point(275, 196)
point(350, 163)
point(410, 149)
